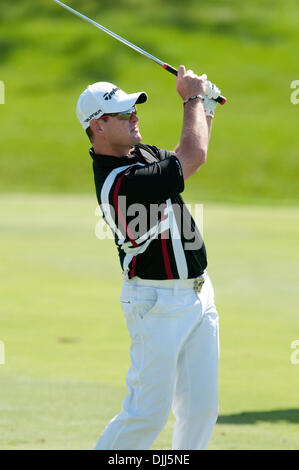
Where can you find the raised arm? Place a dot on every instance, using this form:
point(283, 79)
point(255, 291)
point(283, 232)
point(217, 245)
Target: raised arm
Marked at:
point(193, 145)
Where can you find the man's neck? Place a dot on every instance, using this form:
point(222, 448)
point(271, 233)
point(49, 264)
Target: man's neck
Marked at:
point(114, 152)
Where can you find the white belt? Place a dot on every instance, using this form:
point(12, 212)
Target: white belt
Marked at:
point(195, 283)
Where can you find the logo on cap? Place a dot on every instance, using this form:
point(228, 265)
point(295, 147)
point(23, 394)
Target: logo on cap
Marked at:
point(108, 96)
point(93, 115)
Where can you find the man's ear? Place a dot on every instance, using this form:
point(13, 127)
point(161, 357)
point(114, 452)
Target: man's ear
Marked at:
point(96, 126)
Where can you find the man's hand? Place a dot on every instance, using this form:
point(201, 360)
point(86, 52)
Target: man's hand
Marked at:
point(189, 84)
point(210, 104)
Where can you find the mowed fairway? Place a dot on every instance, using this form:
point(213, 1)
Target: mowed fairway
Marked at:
point(66, 344)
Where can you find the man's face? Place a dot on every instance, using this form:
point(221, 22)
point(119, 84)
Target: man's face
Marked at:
point(120, 132)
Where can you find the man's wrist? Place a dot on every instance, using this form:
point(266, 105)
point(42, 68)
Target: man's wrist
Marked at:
point(194, 97)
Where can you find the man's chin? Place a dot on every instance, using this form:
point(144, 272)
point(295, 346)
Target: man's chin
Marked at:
point(136, 138)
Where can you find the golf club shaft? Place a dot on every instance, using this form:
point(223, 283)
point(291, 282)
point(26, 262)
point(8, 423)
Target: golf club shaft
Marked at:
point(165, 66)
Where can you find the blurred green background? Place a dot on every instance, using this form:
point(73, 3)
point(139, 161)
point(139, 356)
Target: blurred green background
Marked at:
point(249, 49)
point(66, 343)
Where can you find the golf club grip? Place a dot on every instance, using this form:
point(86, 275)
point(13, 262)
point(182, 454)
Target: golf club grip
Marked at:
point(220, 99)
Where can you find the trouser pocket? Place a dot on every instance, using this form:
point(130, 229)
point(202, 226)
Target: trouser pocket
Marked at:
point(140, 302)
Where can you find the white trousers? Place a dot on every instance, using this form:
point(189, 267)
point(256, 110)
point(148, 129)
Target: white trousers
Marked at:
point(174, 364)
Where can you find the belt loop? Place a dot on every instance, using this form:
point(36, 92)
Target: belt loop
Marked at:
point(175, 286)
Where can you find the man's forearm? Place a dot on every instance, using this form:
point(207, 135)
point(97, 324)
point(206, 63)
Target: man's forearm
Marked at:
point(193, 146)
point(194, 137)
point(192, 149)
point(209, 124)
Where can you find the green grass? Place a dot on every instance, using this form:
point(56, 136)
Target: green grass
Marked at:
point(66, 343)
point(48, 56)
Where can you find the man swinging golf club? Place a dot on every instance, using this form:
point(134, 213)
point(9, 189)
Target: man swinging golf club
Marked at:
point(167, 296)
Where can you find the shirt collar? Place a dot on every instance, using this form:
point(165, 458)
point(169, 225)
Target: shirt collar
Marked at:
point(109, 161)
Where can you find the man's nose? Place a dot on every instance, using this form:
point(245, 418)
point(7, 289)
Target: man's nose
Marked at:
point(134, 117)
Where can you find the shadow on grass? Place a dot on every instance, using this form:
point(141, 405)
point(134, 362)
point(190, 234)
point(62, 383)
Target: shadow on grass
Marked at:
point(253, 417)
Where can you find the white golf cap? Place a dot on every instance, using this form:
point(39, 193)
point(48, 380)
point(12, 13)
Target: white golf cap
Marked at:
point(104, 98)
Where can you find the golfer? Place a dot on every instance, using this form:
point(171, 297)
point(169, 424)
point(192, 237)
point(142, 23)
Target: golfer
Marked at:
point(167, 296)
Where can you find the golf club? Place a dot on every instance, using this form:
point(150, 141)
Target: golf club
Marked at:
point(220, 99)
